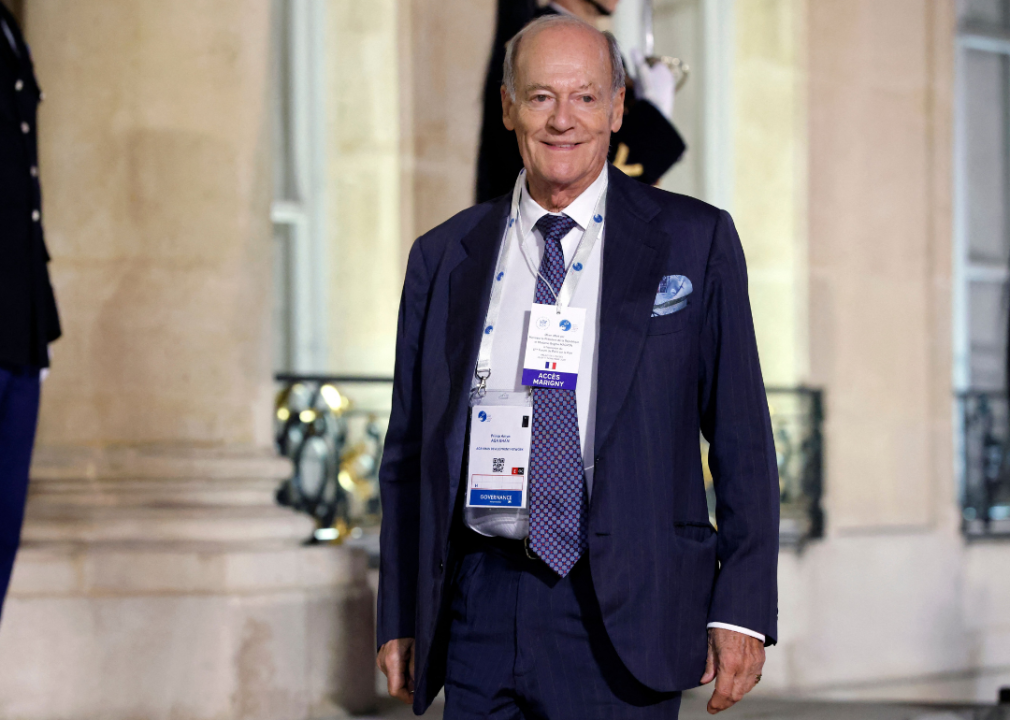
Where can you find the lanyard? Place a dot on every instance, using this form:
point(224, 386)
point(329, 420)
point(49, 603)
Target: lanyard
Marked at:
point(562, 298)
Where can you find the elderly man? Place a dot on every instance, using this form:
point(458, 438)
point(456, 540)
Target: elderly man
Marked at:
point(546, 544)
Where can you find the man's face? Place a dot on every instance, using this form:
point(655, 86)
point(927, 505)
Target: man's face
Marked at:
point(564, 110)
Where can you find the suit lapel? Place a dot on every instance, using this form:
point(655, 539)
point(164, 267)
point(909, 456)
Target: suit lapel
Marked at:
point(631, 275)
point(469, 293)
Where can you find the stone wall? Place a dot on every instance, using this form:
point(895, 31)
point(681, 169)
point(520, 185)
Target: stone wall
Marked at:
point(892, 603)
point(158, 578)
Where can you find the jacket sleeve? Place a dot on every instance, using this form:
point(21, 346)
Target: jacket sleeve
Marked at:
point(736, 423)
point(400, 472)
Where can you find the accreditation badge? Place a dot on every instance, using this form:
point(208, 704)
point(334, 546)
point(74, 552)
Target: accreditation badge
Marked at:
point(554, 346)
point(501, 425)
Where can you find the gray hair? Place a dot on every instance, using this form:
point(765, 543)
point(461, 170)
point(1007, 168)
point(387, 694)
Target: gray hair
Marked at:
point(617, 79)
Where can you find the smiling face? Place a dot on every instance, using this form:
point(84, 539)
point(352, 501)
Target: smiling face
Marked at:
point(564, 111)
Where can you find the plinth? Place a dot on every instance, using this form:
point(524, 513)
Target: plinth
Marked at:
point(164, 583)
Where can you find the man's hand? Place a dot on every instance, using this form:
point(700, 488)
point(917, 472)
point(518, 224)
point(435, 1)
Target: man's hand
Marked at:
point(396, 660)
point(734, 662)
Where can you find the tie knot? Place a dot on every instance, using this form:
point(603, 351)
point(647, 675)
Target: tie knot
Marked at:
point(554, 227)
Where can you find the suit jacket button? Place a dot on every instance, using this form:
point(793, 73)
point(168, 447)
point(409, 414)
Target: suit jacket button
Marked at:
point(19, 85)
point(25, 128)
point(441, 566)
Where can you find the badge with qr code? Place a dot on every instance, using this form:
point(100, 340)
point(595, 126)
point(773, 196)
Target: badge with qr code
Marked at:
point(499, 452)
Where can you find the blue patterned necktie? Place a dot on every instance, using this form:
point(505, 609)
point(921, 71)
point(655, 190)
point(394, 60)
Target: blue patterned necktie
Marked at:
point(558, 522)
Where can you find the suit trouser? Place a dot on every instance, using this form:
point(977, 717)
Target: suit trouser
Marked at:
point(524, 643)
point(19, 410)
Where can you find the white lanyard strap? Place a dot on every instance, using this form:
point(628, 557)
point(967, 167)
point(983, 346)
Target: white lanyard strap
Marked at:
point(483, 370)
point(573, 273)
point(562, 298)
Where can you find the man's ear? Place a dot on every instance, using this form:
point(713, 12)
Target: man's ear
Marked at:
point(617, 111)
point(506, 109)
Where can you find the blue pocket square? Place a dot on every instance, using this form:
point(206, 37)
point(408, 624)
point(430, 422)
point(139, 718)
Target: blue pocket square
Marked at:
point(672, 295)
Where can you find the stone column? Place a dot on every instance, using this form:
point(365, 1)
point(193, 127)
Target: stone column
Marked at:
point(442, 75)
point(770, 179)
point(157, 577)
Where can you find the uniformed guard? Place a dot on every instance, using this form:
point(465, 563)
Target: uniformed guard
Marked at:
point(646, 146)
point(28, 318)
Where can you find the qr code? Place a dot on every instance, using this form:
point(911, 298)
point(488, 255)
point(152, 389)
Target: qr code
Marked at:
point(498, 464)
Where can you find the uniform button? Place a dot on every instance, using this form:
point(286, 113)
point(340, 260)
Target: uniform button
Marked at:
point(441, 566)
point(34, 171)
point(25, 128)
point(19, 85)
point(36, 215)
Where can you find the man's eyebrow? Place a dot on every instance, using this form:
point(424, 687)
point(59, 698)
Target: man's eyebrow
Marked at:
point(542, 86)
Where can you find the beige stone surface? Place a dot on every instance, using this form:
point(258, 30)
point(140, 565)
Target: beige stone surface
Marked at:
point(263, 656)
point(770, 178)
point(879, 134)
point(859, 611)
point(158, 578)
point(987, 588)
point(153, 156)
point(449, 45)
point(843, 114)
point(398, 162)
point(363, 184)
point(132, 601)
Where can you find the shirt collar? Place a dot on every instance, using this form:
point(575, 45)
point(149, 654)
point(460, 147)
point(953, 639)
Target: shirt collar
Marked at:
point(580, 210)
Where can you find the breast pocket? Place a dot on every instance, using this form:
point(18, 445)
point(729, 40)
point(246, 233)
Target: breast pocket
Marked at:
point(666, 324)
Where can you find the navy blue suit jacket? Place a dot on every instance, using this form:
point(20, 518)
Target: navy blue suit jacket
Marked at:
point(661, 572)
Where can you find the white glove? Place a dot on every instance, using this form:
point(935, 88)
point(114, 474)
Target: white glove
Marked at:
point(44, 372)
point(655, 84)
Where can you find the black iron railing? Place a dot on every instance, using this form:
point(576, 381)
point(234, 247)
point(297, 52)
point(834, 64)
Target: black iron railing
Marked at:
point(332, 428)
point(797, 416)
point(984, 418)
point(798, 428)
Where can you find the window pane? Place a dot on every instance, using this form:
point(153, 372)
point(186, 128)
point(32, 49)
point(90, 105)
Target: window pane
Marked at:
point(986, 119)
point(990, 12)
point(284, 184)
point(988, 328)
point(283, 310)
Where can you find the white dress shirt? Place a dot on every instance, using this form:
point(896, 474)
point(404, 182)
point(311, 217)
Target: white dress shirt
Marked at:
point(509, 347)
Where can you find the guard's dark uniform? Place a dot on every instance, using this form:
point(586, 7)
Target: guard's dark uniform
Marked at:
point(646, 146)
point(28, 319)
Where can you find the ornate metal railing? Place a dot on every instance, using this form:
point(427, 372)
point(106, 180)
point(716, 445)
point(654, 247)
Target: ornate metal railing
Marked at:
point(798, 428)
point(797, 416)
point(332, 428)
point(984, 419)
